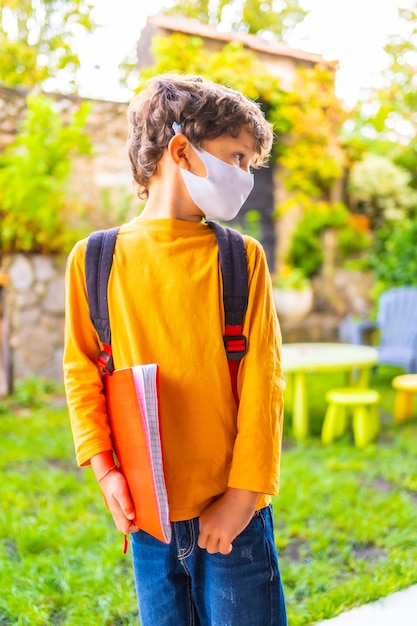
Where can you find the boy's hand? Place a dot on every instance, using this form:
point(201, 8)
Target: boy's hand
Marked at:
point(119, 502)
point(115, 490)
point(225, 519)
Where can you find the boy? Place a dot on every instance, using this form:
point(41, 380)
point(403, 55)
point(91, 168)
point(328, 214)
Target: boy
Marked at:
point(191, 144)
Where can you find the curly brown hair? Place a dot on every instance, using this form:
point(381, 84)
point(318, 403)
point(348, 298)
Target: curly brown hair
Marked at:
point(205, 110)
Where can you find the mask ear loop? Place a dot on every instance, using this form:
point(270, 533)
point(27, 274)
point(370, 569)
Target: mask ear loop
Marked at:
point(176, 127)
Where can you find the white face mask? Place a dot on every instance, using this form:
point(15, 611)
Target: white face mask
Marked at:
point(222, 192)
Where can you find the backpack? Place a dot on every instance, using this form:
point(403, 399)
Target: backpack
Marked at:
point(233, 263)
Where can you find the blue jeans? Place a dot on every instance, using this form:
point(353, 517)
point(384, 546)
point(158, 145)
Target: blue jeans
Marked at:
point(182, 585)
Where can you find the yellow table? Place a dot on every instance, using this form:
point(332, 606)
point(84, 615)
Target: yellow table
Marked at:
point(300, 359)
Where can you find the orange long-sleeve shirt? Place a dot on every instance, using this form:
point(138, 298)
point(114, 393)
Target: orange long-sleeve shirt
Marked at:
point(165, 306)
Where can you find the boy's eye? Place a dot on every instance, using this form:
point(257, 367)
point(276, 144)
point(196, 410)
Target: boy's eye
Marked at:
point(240, 158)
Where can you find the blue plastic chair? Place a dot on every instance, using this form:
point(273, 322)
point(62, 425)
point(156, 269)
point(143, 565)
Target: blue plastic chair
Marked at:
point(397, 325)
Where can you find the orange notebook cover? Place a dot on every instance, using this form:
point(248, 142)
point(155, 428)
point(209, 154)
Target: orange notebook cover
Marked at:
point(133, 408)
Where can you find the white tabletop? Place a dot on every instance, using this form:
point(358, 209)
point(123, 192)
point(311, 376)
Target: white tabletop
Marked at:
point(324, 357)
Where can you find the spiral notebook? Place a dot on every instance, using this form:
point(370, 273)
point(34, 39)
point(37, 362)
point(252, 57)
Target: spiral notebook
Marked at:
point(133, 408)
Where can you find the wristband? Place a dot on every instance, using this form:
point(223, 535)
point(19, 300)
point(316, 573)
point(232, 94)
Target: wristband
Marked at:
point(107, 472)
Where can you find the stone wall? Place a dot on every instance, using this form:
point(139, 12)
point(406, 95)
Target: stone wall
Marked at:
point(34, 315)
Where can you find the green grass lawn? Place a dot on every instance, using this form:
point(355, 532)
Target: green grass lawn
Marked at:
point(345, 519)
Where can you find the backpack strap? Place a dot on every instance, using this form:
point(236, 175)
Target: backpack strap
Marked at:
point(233, 262)
point(234, 270)
point(98, 262)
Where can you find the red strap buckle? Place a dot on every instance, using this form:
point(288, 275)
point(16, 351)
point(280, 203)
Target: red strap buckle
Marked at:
point(235, 346)
point(105, 360)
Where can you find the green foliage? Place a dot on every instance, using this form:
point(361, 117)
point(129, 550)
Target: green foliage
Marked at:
point(384, 121)
point(36, 205)
point(306, 248)
point(193, 9)
point(407, 158)
point(184, 54)
point(116, 206)
point(398, 103)
point(250, 224)
point(352, 241)
point(381, 188)
point(33, 392)
point(394, 257)
point(290, 278)
point(383, 191)
point(263, 17)
point(62, 557)
point(178, 52)
point(36, 39)
point(312, 157)
point(250, 16)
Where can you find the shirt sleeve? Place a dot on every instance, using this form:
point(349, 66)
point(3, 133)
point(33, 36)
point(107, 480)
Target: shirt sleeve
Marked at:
point(82, 376)
point(261, 385)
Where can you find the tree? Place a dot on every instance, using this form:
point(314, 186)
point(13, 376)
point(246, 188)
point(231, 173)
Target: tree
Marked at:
point(278, 17)
point(274, 18)
point(385, 121)
point(36, 38)
point(398, 103)
point(233, 65)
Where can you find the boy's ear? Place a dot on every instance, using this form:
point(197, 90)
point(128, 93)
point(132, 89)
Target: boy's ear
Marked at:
point(179, 150)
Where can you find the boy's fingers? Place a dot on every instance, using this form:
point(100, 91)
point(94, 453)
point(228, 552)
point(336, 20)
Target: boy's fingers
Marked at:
point(126, 507)
point(120, 504)
point(225, 547)
point(121, 496)
point(129, 512)
point(202, 540)
point(123, 523)
point(214, 544)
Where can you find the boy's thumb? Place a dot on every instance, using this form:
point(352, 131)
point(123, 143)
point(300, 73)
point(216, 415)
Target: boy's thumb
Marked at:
point(128, 510)
point(129, 513)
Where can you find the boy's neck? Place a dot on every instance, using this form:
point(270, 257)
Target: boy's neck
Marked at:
point(169, 212)
point(169, 201)
point(168, 196)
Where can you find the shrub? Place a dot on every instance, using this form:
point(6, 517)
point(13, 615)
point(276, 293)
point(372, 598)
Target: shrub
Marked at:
point(394, 257)
point(381, 188)
point(290, 278)
point(35, 203)
point(306, 248)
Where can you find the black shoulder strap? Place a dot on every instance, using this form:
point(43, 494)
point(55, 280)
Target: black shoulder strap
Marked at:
point(234, 267)
point(233, 262)
point(98, 262)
